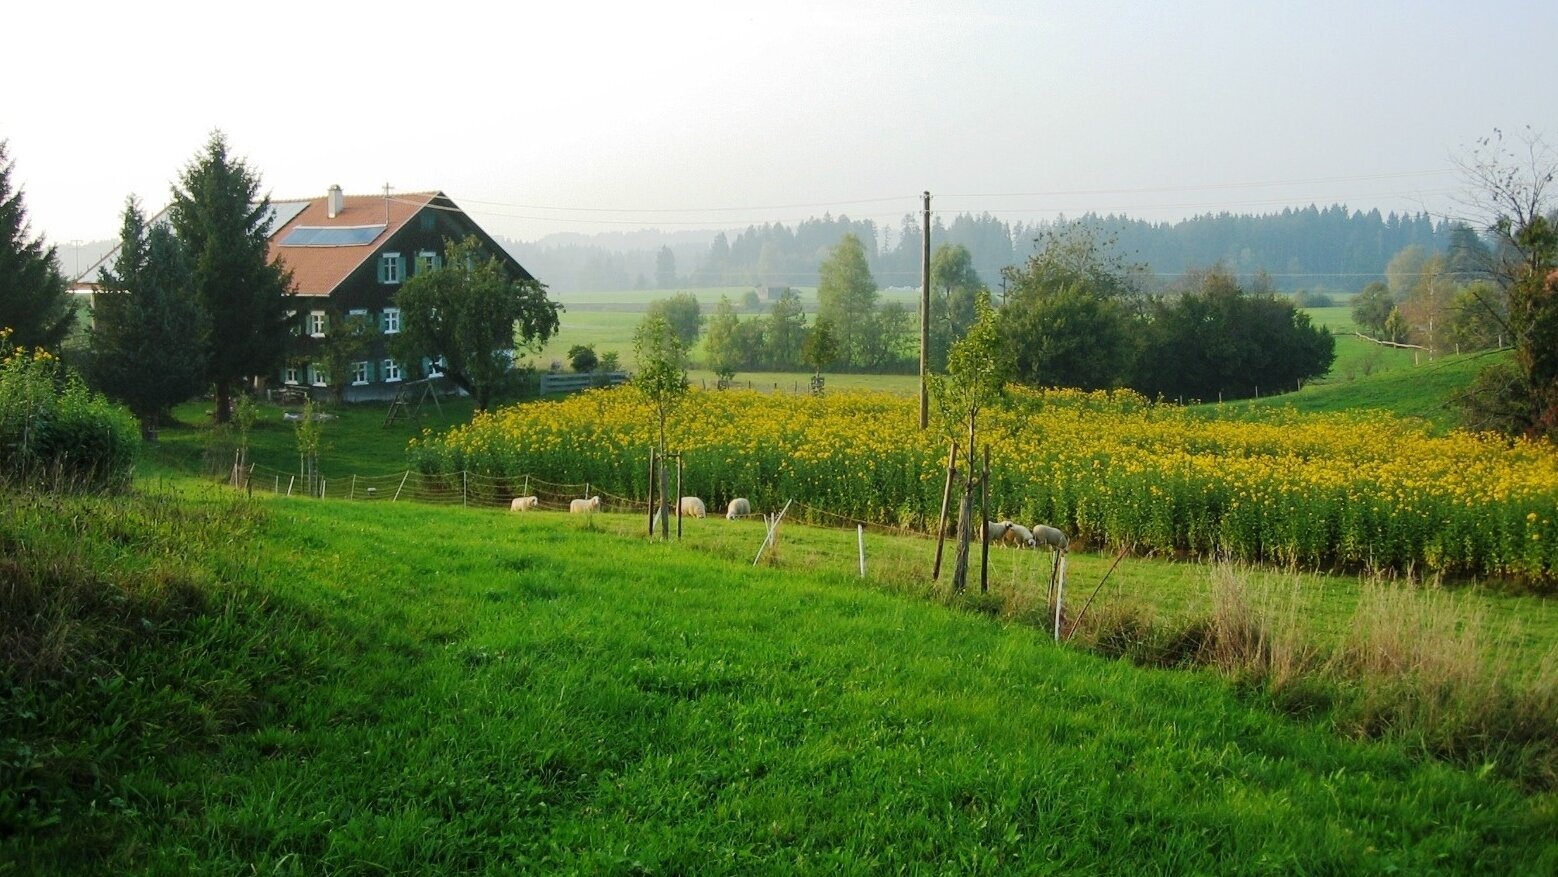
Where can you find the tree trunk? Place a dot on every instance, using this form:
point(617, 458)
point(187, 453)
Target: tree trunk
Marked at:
point(965, 514)
point(224, 403)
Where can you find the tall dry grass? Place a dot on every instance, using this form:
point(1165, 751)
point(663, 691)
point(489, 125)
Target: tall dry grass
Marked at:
point(1416, 663)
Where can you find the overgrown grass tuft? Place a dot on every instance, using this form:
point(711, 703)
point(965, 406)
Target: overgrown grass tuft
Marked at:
point(123, 640)
point(1421, 666)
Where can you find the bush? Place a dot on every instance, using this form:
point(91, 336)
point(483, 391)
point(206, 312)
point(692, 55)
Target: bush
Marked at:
point(54, 431)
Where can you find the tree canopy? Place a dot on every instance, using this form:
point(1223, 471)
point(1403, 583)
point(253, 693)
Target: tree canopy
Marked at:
point(722, 341)
point(846, 298)
point(149, 326)
point(222, 221)
point(662, 370)
point(684, 315)
point(1217, 341)
point(1511, 182)
point(35, 301)
point(474, 315)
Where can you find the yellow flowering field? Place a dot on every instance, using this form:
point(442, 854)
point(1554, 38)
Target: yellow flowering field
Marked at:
point(1354, 489)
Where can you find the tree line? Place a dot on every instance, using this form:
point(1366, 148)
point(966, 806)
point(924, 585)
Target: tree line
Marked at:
point(1329, 248)
point(1074, 315)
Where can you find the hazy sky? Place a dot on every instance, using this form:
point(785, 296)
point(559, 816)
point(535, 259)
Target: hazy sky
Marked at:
point(581, 116)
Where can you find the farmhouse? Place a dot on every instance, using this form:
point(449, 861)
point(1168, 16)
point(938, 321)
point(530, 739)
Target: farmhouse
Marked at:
point(349, 255)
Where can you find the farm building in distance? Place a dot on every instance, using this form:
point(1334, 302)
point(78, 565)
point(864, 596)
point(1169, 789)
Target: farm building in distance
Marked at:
point(348, 255)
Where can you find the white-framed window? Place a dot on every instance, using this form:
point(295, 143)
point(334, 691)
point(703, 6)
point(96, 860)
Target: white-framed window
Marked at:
point(292, 320)
point(390, 321)
point(317, 376)
point(391, 370)
point(317, 323)
point(359, 373)
point(427, 260)
point(357, 312)
point(391, 268)
point(292, 375)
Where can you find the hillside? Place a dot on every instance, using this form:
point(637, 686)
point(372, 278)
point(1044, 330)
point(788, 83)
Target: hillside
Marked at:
point(469, 691)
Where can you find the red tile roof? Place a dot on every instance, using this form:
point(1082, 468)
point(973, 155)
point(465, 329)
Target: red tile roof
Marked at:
point(318, 270)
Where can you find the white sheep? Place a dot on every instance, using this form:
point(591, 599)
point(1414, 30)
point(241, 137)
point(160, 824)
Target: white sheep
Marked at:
point(524, 504)
point(584, 506)
point(1017, 534)
point(1050, 537)
point(693, 507)
point(996, 530)
point(738, 508)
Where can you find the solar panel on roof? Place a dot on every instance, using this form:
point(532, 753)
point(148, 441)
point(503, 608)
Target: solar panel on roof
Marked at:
point(281, 213)
point(332, 236)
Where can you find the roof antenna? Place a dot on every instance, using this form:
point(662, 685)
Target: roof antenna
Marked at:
point(386, 204)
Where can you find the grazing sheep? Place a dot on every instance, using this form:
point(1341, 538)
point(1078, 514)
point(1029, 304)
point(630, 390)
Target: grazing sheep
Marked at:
point(1050, 537)
point(996, 529)
point(584, 506)
point(693, 507)
point(524, 504)
point(738, 508)
point(1017, 534)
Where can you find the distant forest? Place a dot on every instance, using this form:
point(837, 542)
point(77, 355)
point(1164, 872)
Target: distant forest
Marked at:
point(1329, 249)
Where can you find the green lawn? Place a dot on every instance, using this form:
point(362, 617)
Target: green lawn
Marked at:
point(468, 691)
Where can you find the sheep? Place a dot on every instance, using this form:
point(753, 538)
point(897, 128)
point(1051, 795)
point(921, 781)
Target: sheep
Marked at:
point(1017, 534)
point(996, 529)
point(1050, 537)
point(584, 506)
point(524, 504)
point(738, 508)
point(693, 507)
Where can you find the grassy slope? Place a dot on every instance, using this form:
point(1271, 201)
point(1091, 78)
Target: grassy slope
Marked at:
point(537, 694)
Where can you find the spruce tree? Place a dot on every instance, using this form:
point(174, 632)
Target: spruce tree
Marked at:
point(221, 220)
point(149, 327)
point(35, 300)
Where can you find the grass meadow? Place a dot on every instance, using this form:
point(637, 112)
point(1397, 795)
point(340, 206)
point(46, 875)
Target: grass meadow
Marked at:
point(196, 681)
point(365, 688)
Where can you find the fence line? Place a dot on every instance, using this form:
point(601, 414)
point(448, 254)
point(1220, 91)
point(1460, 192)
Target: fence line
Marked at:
point(488, 491)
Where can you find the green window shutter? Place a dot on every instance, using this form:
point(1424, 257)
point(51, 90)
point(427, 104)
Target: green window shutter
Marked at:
point(382, 277)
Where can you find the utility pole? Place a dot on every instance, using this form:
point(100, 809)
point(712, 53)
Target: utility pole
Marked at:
point(925, 319)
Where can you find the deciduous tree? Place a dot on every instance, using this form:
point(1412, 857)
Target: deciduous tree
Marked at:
point(785, 330)
point(954, 283)
point(978, 367)
point(722, 342)
point(471, 311)
point(684, 315)
point(1510, 186)
point(846, 298)
point(348, 341)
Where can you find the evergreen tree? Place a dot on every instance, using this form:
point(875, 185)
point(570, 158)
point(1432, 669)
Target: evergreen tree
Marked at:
point(665, 268)
point(222, 221)
point(148, 326)
point(35, 301)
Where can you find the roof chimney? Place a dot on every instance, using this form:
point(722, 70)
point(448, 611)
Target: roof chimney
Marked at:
point(335, 202)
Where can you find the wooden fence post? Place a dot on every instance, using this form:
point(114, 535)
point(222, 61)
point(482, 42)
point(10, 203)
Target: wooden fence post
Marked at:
point(941, 522)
